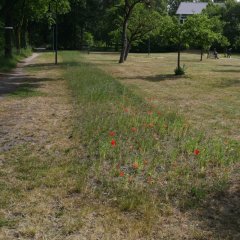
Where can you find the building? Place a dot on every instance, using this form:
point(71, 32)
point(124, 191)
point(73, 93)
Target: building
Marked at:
point(189, 8)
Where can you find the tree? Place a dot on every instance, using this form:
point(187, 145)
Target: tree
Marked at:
point(7, 13)
point(142, 23)
point(203, 31)
point(175, 33)
point(18, 14)
point(128, 7)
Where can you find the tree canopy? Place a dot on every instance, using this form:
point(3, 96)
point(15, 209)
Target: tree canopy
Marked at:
point(118, 25)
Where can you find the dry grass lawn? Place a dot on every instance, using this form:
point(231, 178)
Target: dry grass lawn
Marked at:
point(40, 159)
point(208, 96)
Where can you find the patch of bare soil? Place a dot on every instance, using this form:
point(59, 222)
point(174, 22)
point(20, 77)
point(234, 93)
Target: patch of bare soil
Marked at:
point(43, 124)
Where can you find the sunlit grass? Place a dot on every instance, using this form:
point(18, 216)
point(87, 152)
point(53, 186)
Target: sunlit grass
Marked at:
point(137, 155)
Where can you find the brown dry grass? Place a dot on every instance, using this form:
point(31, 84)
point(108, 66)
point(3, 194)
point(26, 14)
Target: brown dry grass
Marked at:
point(208, 96)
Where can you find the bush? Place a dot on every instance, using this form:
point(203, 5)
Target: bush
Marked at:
point(180, 70)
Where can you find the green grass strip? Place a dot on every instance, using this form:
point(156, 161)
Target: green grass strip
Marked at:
point(137, 155)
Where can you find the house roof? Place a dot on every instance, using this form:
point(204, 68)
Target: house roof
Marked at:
point(191, 7)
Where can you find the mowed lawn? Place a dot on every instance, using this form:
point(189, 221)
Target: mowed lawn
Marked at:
point(208, 96)
point(90, 159)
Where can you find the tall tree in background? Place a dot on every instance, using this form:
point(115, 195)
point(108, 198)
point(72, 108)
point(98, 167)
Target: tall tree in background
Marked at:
point(143, 22)
point(204, 32)
point(18, 14)
point(128, 7)
point(7, 13)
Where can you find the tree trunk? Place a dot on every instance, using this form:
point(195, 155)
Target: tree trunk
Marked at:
point(8, 35)
point(127, 50)
point(124, 41)
point(18, 39)
point(24, 36)
point(201, 54)
point(179, 56)
point(81, 38)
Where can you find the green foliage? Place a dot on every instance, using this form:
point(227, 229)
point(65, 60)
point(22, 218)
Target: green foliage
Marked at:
point(229, 19)
point(203, 31)
point(88, 39)
point(143, 22)
point(103, 20)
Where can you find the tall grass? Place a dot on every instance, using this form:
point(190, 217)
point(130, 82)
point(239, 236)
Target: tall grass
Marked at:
point(137, 156)
point(6, 64)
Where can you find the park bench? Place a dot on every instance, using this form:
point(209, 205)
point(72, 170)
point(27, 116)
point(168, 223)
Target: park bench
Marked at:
point(40, 49)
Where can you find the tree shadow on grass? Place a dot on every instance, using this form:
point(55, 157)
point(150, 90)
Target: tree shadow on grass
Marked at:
point(227, 70)
point(221, 212)
point(228, 83)
point(228, 65)
point(53, 65)
point(22, 86)
point(158, 78)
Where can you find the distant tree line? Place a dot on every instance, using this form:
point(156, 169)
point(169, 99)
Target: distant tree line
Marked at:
point(118, 25)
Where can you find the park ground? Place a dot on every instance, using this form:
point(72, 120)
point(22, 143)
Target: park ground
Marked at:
point(59, 177)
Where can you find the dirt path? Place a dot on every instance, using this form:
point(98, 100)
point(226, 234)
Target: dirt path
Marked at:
point(34, 123)
point(9, 82)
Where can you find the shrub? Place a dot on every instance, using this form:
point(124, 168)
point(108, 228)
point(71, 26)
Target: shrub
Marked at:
point(180, 70)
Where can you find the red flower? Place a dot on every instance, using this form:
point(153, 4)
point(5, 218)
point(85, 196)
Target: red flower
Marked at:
point(113, 142)
point(112, 134)
point(121, 174)
point(196, 152)
point(126, 110)
point(134, 129)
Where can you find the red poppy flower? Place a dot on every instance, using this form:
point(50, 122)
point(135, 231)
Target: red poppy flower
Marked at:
point(126, 110)
point(113, 142)
point(196, 152)
point(134, 129)
point(112, 134)
point(121, 174)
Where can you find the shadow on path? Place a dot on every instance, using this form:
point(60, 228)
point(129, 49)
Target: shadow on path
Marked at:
point(19, 83)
